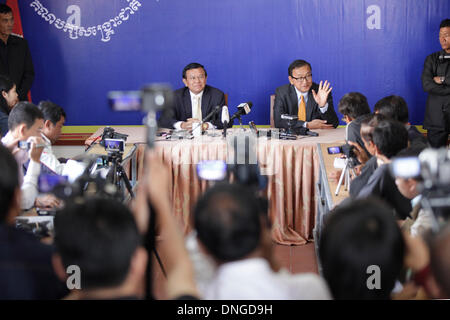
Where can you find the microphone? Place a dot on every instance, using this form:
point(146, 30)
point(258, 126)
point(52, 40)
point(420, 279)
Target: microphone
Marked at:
point(205, 119)
point(225, 119)
point(213, 112)
point(243, 108)
point(225, 116)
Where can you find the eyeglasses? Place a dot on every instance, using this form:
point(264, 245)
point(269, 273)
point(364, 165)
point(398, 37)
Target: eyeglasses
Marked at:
point(308, 77)
point(202, 77)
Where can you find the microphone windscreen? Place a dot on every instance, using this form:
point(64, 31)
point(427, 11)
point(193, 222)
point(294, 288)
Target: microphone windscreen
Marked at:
point(225, 115)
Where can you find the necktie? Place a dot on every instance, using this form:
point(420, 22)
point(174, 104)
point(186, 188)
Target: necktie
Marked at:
point(197, 109)
point(302, 110)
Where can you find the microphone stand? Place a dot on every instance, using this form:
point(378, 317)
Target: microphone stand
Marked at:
point(225, 125)
point(240, 123)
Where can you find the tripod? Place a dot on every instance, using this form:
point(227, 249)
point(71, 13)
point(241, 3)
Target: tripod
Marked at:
point(120, 175)
point(349, 164)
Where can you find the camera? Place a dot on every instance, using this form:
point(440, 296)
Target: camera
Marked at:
point(41, 227)
point(110, 133)
point(214, 170)
point(406, 168)
point(346, 149)
point(114, 145)
point(125, 100)
point(151, 97)
point(432, 170)
point(25, 145)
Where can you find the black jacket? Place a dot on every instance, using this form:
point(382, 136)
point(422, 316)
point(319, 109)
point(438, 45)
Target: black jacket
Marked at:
point(381, 184)
point(19, 67)
point(26, 270)
point(438, 94)
point(286, 102)
point(182, 109)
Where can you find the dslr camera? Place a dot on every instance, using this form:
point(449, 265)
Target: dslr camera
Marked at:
point(109, 133)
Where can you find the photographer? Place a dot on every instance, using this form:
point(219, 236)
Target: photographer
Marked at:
point(389, 138)
point(355, 237)
point(54, 118)
point(235, 231)
point(369, 165)
point(354, 108)
point(25, 270)
point(421, 220)
point(395, 108)
point(25, 124)
point(103, 238)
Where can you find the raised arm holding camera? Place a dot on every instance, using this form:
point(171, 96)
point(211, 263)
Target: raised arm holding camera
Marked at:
point(25, 124)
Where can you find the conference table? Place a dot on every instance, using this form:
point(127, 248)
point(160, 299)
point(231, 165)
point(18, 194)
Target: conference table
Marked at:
point(291, 166)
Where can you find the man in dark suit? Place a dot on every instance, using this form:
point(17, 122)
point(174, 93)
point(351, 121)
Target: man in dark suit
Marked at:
point(194, 102)
point(436, 82)
point(389, 138)
point(311, 102)
point(15, 57)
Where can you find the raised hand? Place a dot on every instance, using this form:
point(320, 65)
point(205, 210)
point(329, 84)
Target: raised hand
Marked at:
point(322, 94)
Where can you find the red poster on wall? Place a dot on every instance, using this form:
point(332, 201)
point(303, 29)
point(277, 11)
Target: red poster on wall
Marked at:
point(17, 23)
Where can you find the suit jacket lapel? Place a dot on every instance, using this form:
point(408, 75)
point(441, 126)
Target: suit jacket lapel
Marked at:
point(310, 106)
point(294, 100)
point(187, 103)
point(206, 97)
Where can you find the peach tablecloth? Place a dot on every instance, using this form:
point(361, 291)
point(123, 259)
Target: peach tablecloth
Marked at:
point(292, 167)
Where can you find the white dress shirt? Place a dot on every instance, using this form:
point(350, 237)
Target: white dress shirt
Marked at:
point(49, 159)
point(305, 98)
point(194, 99)
point(253, 279)
point(29, 182)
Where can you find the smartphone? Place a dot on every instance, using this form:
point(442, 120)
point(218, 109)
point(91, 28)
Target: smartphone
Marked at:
point(125, 100)
point(334, 150)
point(114, 145)
point(47, 182)
point(212, 170)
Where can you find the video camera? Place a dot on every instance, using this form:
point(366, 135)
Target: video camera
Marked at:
point(432, 170)
point(110, 134)
point(346, 149)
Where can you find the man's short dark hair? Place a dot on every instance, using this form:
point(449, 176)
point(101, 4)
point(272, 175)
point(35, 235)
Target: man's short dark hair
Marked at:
point(390, 137)
point(227, 219)
point(353, 104)
point(393, 107)
point(440, 259)
point(361, 234)
point(444, 23)
point(368, 124)
point(24, 113)
point(51, 111)
point(5, 8)
point(193, 65)
point(100, 236)
point(298, 64)
point(9, 181)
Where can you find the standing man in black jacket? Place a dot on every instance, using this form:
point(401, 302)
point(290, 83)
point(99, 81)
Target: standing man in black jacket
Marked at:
point(436, 81)
point(15, 57)
point(311, 102)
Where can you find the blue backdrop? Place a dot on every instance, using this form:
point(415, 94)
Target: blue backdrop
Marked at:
point(83, 49)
